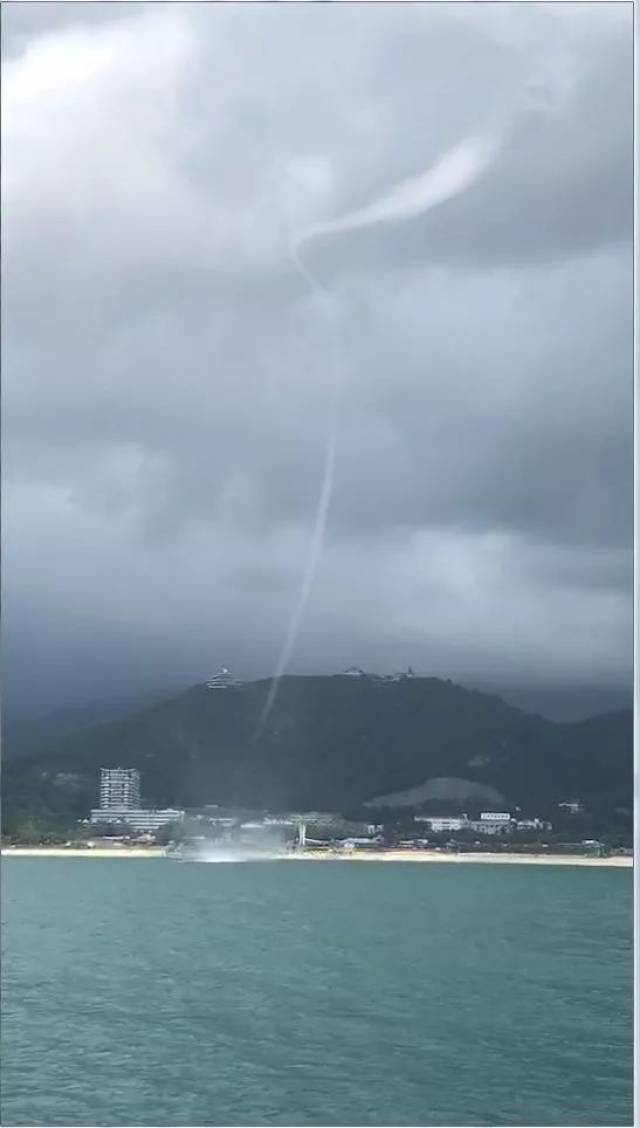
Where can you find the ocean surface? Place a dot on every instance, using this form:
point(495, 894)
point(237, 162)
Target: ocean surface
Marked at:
point(155, 992)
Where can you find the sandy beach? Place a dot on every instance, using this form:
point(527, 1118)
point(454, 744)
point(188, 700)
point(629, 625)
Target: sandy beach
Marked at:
point(78, 852)
point(433, 856)
point(502, 859)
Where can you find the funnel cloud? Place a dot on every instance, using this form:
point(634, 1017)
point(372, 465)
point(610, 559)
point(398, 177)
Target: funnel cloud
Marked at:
point(387, 422)
point(454, 172)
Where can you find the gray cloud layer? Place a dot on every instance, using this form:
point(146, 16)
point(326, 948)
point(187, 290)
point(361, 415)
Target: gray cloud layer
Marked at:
point(167, 378)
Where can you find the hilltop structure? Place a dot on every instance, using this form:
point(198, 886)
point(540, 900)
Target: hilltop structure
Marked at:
point(223, 679)
point(356, 672)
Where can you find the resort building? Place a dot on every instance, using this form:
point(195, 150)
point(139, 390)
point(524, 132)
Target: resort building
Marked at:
point(493, 822)
point(119, 788)
point(490, 822)
point(439, 825)
point(139, 819)
point(120, 802)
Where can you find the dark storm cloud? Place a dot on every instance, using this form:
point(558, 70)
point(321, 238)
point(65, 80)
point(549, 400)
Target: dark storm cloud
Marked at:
point(169, 381)
point(511, 215)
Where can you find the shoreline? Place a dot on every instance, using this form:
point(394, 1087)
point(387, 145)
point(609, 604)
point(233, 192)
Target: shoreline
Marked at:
point(614, 860)
point(425, 856)
point(79, 852)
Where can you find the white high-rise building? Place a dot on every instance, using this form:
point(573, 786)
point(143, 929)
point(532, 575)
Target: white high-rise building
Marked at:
point(119, 789)
point(120, 803)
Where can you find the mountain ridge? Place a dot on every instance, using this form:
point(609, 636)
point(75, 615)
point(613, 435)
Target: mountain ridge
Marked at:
point(333, 743)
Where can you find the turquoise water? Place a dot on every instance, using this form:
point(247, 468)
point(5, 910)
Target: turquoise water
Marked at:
point(150, 992)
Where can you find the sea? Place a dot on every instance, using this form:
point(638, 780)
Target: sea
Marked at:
point(159, 992)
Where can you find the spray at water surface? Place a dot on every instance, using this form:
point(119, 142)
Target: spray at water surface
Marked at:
point(263, 844)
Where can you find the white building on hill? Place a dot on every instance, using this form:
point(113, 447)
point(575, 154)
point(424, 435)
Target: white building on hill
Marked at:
point(223, 679)
point(401, 675)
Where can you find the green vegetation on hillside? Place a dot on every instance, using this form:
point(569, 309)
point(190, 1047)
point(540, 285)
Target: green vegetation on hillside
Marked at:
point(332, 743)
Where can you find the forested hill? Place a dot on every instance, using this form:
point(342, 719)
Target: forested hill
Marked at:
point(332, 743)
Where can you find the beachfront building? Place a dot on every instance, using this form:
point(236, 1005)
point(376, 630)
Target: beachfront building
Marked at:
point(490, 822)
point(139, 819)
point(532, 824)
point(120, 803)
point(359, 843)
point(493, 822)
point(441, 825)
point(119, 788)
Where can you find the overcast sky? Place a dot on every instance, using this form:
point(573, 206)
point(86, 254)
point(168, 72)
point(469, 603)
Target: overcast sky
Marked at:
point(169, 378)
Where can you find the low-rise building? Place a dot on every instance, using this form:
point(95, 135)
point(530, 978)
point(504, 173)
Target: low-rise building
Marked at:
point(138, 819)
point(490, 822)
point(358, 843)
point(441, 825)
point(532, 824)
point(493, 822)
